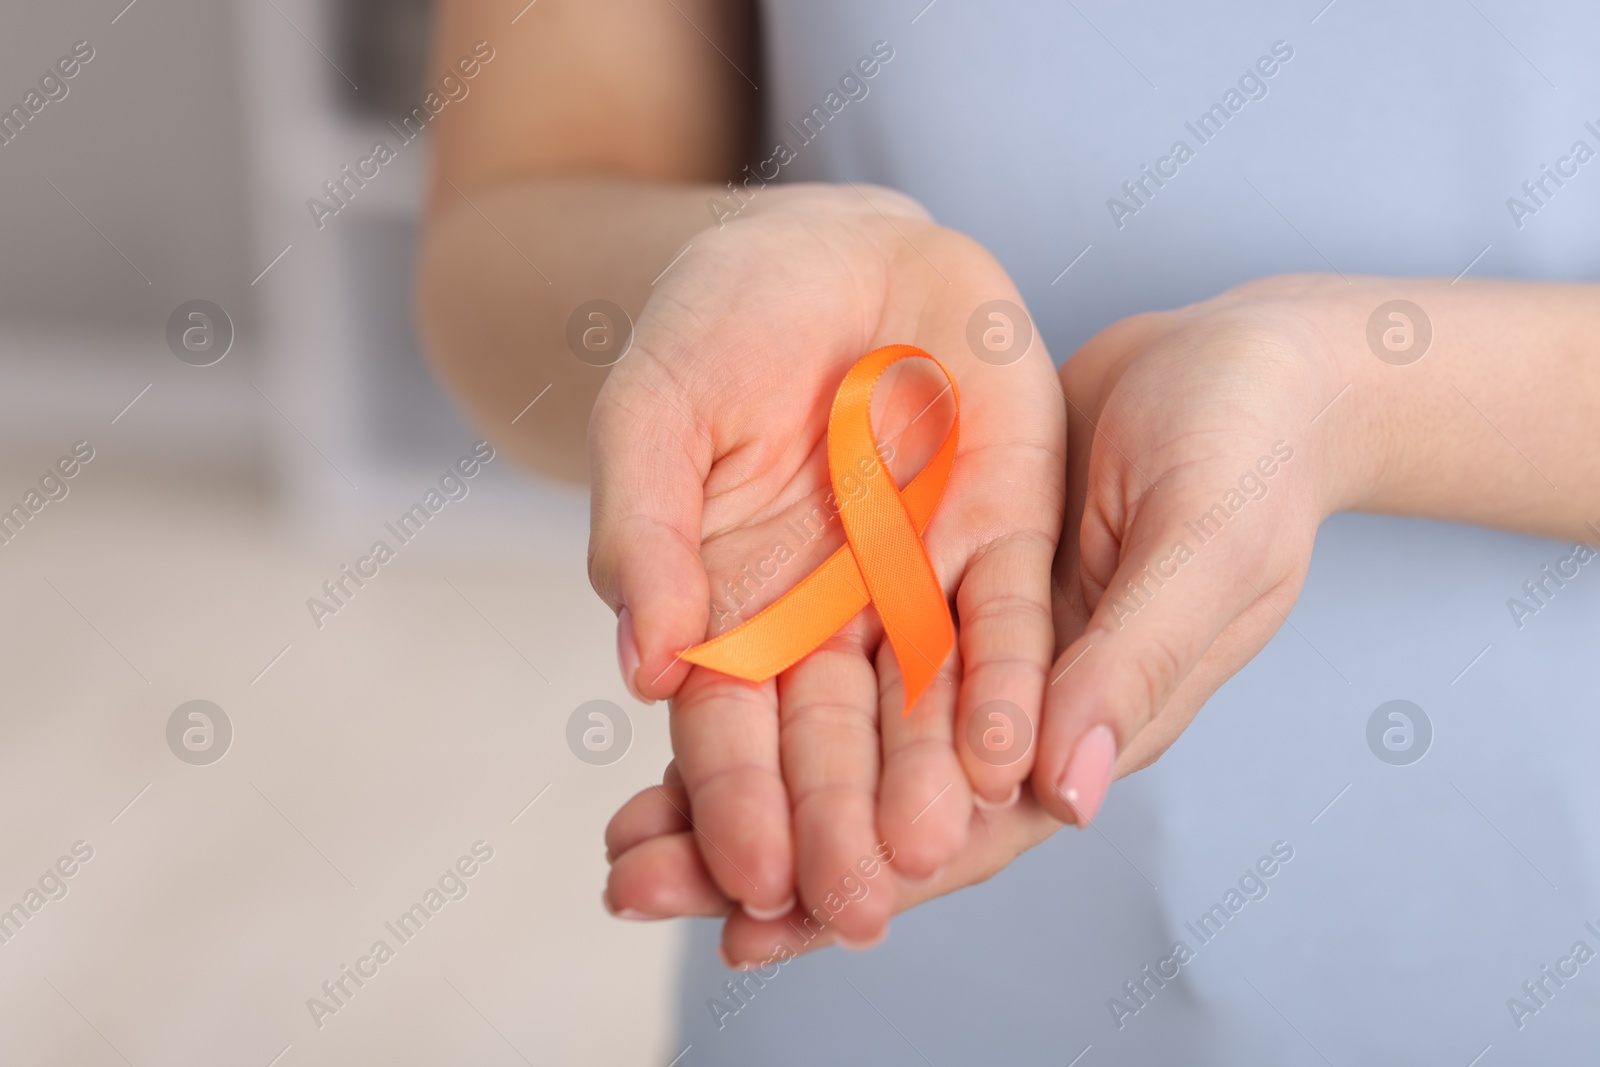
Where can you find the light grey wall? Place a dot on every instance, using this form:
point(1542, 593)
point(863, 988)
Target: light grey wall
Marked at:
point(147, 144)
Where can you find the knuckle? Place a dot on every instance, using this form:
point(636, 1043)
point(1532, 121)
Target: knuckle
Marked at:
point(1155, 674)
point(1009, 607)
point(1149, 759)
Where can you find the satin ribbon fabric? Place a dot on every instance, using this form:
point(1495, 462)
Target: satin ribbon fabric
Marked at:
point(882, 563)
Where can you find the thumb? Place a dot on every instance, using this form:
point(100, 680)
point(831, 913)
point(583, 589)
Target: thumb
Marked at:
point(1177, 586)
point(648, 471)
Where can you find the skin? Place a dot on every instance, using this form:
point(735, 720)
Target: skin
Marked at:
point(710, 439)
point(709, 435)
point(577, 167)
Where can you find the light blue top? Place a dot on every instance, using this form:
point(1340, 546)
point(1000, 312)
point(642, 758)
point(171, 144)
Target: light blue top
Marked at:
point(1387, 139)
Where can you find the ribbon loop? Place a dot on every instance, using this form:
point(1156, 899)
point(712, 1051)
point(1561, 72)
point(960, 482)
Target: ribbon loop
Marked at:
point(883, 561)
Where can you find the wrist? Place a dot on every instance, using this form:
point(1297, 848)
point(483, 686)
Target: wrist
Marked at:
point(1301, 325)
point(1287, 333)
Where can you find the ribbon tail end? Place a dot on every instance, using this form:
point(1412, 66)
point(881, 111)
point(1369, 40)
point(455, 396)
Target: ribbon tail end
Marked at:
point(722, 666)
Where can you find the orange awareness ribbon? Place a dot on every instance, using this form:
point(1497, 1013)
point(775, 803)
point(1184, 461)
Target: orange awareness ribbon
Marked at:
point(883, 561)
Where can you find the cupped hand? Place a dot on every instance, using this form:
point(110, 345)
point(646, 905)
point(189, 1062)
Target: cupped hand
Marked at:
point(1199, 471)
point(712, 497)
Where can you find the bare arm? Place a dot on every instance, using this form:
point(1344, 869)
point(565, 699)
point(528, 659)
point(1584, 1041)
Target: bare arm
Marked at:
point(1496, 424)
point(575, 170)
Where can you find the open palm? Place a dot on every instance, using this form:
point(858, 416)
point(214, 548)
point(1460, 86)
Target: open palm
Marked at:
point(712, 497)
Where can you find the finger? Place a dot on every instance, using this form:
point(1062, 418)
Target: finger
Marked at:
point(649, 813)
point(1237, 645)
point(1166, 603)
point(648, 469)
point(725, 734)
point(663, 878)
point(1007, 638)
point(924, 800)
point(829, 710)
point(994, 839)
point(992, 546)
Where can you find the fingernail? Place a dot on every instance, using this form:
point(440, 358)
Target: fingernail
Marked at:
point(628, 655)
point(1088, 775)
point(722, 954)
point(762, 915)
point(863, 946)
point(1000, 805)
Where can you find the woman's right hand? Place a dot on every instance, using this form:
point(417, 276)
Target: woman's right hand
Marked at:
point(708, 451)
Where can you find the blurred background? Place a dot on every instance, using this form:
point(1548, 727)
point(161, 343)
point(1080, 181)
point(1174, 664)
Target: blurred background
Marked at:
point(179, 167)
point(231, 859)
point(366, 757)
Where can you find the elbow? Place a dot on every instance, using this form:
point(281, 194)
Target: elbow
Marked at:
point(494, 339)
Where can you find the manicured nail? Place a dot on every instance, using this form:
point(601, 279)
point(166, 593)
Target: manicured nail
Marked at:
point(628, 655)
point(1088, 773)
point(1001, 805)
point(762, 915)
point(863, 946)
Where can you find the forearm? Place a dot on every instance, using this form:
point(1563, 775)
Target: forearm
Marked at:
point(500, 276)
point(1495, 424)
